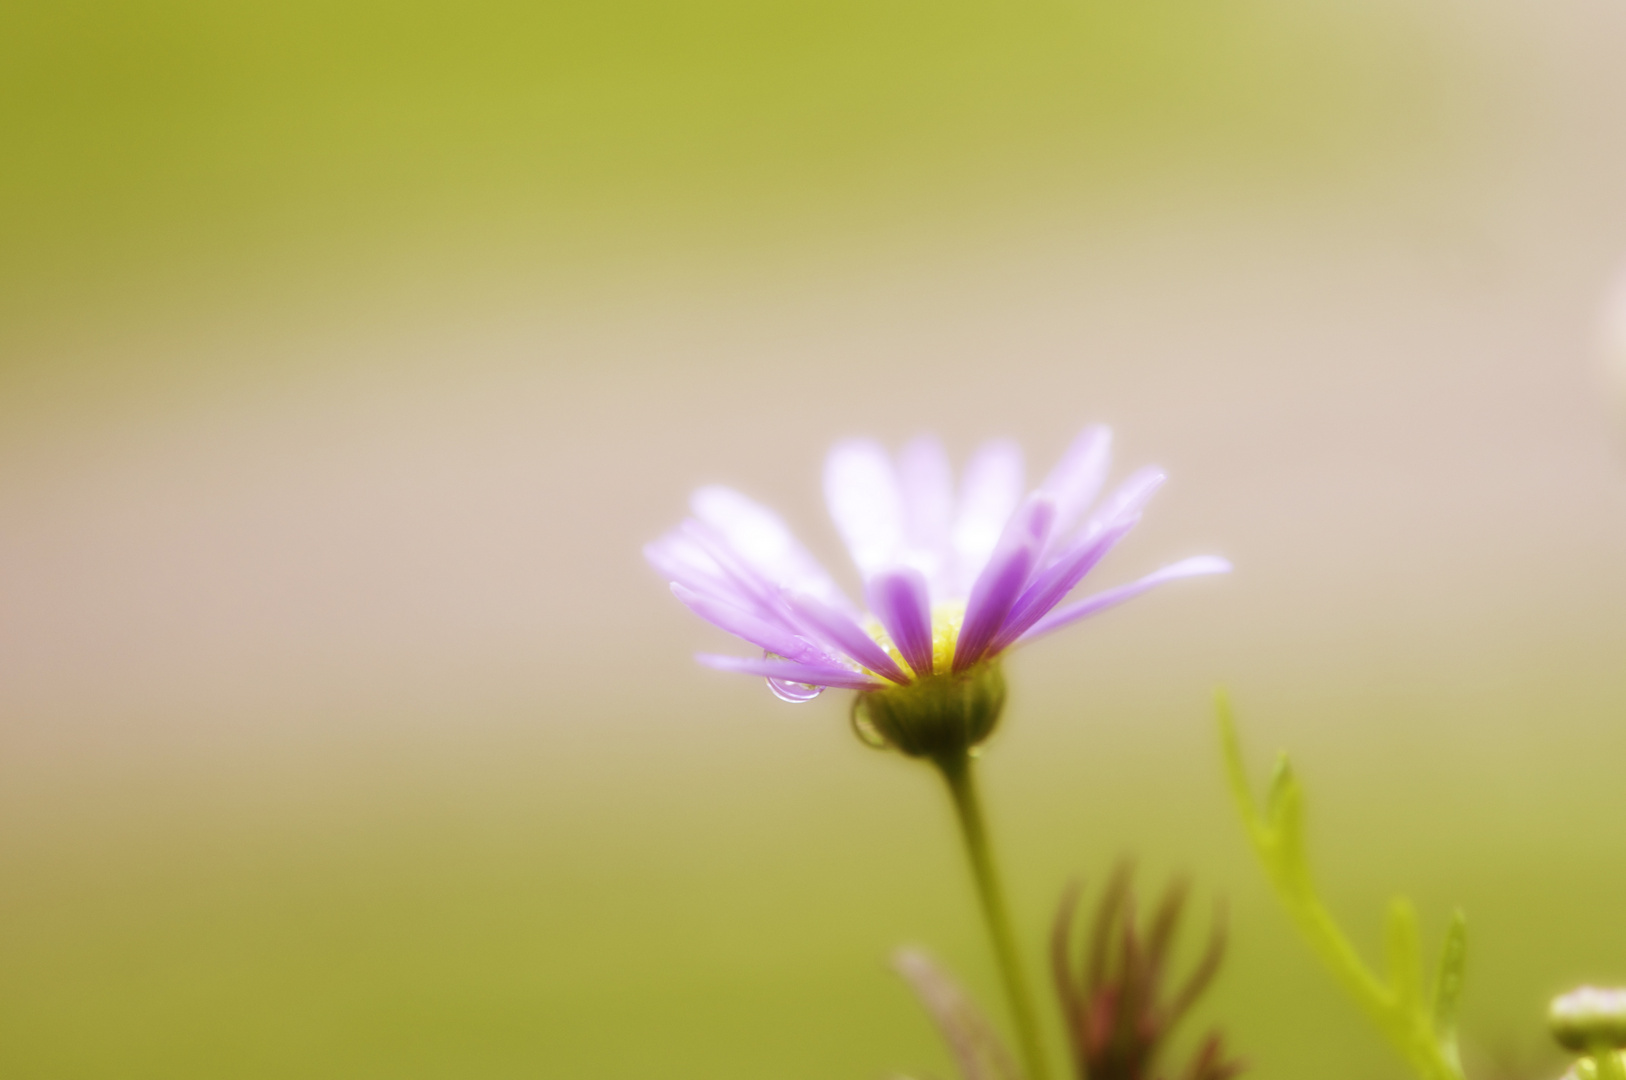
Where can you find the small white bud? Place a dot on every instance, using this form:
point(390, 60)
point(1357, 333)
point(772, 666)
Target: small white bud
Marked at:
point(1589, 1017)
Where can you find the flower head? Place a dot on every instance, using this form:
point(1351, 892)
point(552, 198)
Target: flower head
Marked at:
point(951, 580)
point(1588, 1018)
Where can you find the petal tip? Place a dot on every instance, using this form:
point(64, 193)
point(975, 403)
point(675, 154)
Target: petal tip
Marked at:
point(1203, 564)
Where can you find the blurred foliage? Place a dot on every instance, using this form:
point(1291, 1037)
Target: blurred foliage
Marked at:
point(1420, 1024)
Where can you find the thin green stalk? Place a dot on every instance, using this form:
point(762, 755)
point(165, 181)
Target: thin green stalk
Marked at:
point(1607, 1060)
point(956, 771)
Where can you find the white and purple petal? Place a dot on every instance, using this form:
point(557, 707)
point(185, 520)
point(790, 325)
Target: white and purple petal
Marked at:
point(1004, 578)
point(989, 494)
point(739, 582)
point(1128, 498)
point(837, 629)
point(832, 675)
point(902, 602)
point(861, 489)
point(1013, 561)
point(926, 481)
point(679, 559)
point(771, 636)
point(1094, 605)
point(761, 538)
point(685, 557)
point(1077, 478)
point(1051, 587)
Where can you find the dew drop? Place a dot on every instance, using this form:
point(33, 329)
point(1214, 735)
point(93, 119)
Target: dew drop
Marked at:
point(794, 692)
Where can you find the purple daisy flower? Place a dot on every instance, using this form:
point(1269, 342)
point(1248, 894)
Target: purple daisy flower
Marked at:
point(950, 581)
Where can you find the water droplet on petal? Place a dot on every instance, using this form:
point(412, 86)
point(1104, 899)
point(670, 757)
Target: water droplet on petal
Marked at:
point(794, 692)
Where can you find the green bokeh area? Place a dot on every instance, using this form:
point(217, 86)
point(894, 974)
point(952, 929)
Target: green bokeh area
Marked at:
point(153, 141)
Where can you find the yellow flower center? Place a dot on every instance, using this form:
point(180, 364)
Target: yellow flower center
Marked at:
point(946, 620)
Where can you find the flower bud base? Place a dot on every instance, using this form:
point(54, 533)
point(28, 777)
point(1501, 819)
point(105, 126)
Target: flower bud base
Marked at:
point(940, 717)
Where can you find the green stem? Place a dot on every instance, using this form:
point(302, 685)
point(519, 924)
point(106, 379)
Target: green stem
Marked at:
point(1608, 1062)
point(956, 771)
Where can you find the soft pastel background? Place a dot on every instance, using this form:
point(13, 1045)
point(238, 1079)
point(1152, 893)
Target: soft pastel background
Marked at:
point(349, 352)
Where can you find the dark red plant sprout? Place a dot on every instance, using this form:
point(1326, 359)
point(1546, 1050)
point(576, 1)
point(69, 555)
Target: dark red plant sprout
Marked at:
point(1114, 1001)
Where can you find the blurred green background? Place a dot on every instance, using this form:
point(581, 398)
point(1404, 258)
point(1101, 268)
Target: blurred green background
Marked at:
point(349, 353)
point(156, 148)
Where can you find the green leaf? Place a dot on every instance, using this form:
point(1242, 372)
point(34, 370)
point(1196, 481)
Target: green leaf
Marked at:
point(1284, 810)
point(1404, 956)
point(1448, 980)
point(1396, 1008)
point(1278, 796)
